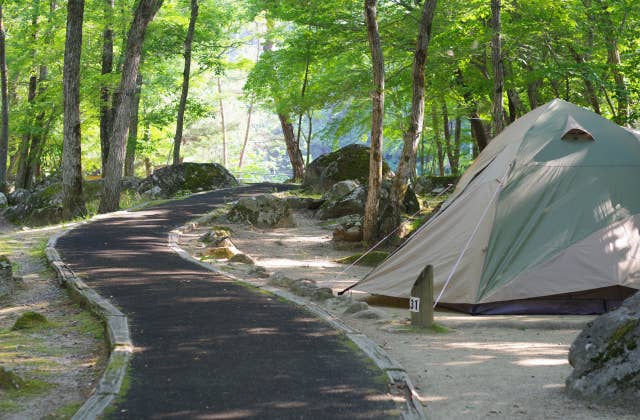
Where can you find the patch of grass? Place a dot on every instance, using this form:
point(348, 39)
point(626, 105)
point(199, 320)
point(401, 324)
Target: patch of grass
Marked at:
point(30, 320)
point(65, 412)
point(86, 323)
point(7, 406)
point(372, 259)
point(434, 329)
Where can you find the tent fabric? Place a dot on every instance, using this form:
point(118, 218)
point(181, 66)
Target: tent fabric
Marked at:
point(567, 219)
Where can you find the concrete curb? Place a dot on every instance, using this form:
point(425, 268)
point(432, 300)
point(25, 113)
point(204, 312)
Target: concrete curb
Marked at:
point(399, 382)
point(119, 339)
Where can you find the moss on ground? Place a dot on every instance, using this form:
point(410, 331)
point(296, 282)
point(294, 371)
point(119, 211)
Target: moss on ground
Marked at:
point(372, 259)
point(30, 320)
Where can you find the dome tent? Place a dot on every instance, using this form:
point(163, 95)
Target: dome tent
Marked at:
point(546, 220)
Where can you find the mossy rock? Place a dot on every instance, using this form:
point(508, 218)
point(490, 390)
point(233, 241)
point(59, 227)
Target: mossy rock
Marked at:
point(30, 320)
point(350, 162)
point(9, 380)
point(372, 259)
point(188, 178)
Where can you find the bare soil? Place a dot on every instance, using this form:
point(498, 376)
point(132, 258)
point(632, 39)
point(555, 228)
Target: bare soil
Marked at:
point(498, 367)
point(61, 361)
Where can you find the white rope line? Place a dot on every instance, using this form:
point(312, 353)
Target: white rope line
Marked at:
point(473, 234)
point(350, 266)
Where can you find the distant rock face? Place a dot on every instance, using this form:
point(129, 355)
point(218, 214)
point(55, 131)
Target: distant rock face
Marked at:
point(265, 211)
point(350, 162)
point(187, 177)
point(606, 357)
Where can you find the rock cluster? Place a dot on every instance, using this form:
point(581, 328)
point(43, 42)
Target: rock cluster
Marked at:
point(264, 211)
point(6, 276)
point(301, 287)
point(606, 357)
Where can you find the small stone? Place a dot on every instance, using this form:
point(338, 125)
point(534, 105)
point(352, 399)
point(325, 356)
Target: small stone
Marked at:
point(242, 258)
point(356, 307)
point(218, 253)
point(371, 313)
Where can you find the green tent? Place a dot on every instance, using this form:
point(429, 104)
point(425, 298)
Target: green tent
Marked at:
point(546, 220)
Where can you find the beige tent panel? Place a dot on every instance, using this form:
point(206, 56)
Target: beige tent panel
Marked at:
point(440, 245)
point(608, 257)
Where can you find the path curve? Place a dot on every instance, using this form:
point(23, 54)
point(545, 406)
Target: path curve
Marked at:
point(207, 347)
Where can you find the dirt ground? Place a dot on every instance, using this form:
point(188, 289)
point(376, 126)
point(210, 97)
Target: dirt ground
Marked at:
point(499, 367)
point(61, 361)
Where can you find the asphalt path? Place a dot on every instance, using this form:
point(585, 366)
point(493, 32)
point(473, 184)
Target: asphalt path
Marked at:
point(207, 347)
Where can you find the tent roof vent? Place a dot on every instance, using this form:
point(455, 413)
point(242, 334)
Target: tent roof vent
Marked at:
point(574, 131)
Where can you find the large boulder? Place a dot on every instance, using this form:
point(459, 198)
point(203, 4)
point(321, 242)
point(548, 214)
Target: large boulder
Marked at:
point(264, 211)
point(3, 201)
point(606, 357)
point(18, 196)
point(188, 178)
point(350, 162)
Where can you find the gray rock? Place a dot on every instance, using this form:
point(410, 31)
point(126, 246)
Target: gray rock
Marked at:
point(242, 258)
point(606, 357)
point(18, 196)
point(152, 194)
point(280, 280)
point(260, 272)
point(356, 307)
point(337, 206)
point(372, 313)
point(6, 276)
point(3, 201)
point(265, 211)
point(323, 293)
point(303, 203)
point(187, 178)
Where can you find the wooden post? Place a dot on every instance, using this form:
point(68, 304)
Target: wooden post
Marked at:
point(421, 300)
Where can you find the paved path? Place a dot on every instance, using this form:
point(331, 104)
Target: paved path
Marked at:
point(206, 346)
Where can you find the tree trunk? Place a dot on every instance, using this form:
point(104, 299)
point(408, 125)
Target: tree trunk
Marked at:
point(622, 94)
point(498, 70)
point(72, 200)
point(106, 108)
point(223, 126)
point(144, 13)
point(4, 132)
point(411, 137)
point(309, 133)
point(295, 155)
point(454, 156)
point(246, 135)
point(177, 140)
point(246, 132)
point(132, 140)
point(370, 223)
point(436, 139)
point(22, 174)
point(305, 81)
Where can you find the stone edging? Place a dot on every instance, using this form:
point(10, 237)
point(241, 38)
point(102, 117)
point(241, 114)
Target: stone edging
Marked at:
point(399, 381)
point(120, 345)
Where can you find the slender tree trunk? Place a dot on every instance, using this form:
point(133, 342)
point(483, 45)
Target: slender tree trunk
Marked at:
point(186, 74)
point(411, 137)
point(106, 109)
point(223, 126)
point(132, 140)
point(498, 70)
point(622, 94)
point(454, 155)
point(22, 174)
point(72, 200)
point(145, 11)
point(295, 155)
point(246, 132)
point(4, 132)
point(370, 223)
point(309, 133)
point(305, 80)
point(589, 89)
point(436, 139)
point(246, 135)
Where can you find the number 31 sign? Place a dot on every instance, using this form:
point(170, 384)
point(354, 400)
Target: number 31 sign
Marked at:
point(414, 304)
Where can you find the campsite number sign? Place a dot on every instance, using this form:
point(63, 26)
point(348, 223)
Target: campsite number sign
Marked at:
point(414, 304)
